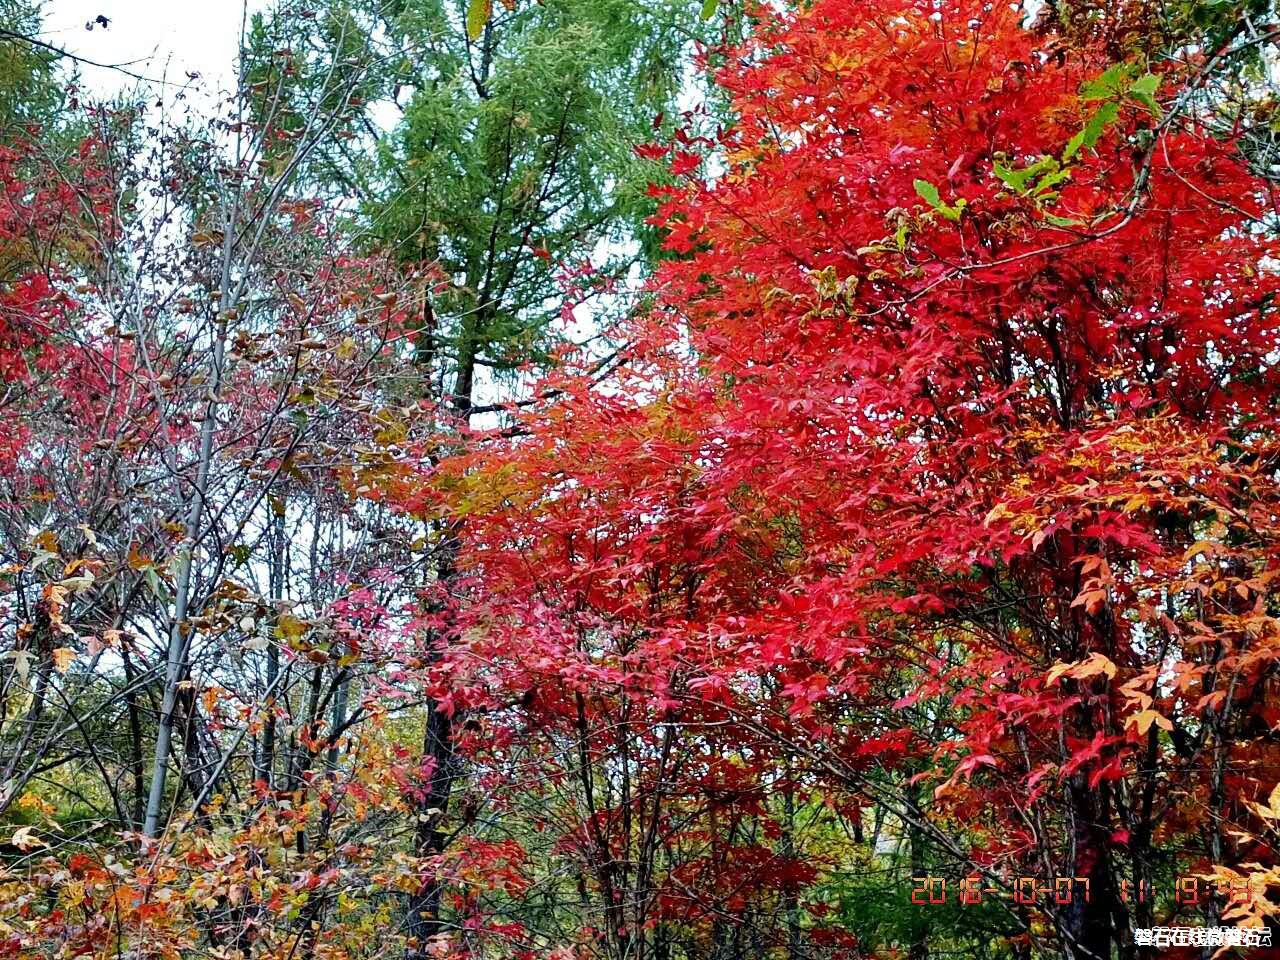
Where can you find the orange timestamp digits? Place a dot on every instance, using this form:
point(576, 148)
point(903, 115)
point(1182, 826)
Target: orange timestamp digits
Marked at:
point(1035, 891)
point(931, 891)
point(1197, 890)
point(928, 890)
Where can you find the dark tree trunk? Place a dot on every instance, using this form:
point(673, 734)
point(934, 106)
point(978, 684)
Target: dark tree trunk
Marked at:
point(424, 920)
point(1088, 920)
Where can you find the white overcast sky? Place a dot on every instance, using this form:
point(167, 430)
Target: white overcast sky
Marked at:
point(161, 37)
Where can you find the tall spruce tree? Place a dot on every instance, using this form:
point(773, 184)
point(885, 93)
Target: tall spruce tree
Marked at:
point(495, 159)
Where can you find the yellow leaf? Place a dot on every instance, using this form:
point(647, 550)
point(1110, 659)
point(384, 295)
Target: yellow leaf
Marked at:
point(1056, 671)
point(63, 658)
point(73, 893)
point(290, 628)
point(478, 14)
point(21, 662)
point(24, 838)
point(1148, 717)
point(1271, 811)
point(1090, 666)
point(1093, 665)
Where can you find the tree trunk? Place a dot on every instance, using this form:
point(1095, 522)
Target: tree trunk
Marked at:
point(423, 920)
point(1087, 920)
point(919, 948)
point(179, 632)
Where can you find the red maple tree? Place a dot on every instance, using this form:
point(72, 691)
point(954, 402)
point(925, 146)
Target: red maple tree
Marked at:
point(938, 476)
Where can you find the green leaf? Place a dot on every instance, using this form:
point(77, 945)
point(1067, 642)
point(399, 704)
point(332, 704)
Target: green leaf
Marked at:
point(1106, 85)
point(1144, 91)
point(478, 14)
point(1147, 85)
point(153, 581)
point(928, 192)
point(1058, 221)
point(1099, 122)
point(1050, 180)
point(1093, 130)
point(1017, 180)
point(709, 8)
point(1073, 146)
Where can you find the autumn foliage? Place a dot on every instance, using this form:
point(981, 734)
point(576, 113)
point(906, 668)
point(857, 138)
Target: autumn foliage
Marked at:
point(939, 475)
point(922, 523)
